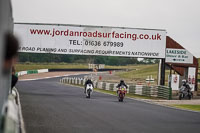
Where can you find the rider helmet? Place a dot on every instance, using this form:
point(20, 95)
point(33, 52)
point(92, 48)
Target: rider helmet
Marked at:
point(183, 81)
point(121, 81)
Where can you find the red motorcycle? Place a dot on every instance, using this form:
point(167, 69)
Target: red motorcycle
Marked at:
point(121, 93)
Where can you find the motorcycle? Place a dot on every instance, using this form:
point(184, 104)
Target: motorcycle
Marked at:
point(121, 93)
point(185, 92)
point(89, 90)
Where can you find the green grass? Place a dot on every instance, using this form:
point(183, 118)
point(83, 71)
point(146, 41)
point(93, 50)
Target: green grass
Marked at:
point(142, 71)
point(186, 106)
point(151, 69)
point(34, 66)
point(135, 72)
point(124, 67)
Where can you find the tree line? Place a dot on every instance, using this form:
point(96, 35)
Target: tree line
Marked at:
point(108, 60)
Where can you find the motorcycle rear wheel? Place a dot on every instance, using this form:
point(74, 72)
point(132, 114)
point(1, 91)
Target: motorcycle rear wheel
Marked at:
point(88, 94)
point(122, 99)
point(189, 96)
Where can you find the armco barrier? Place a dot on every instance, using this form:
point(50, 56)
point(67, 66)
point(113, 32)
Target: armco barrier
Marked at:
point(151, 91)
point(107, 86)
point(21, 73)
point(31, 72)
point(104, 86)
point(111, 87)
point(43, 70)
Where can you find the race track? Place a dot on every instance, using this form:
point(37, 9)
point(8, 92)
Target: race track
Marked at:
point(51, 107)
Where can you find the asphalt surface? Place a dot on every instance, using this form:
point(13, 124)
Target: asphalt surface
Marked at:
point(51, 107)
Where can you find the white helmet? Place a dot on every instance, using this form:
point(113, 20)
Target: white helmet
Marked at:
point(183, 81)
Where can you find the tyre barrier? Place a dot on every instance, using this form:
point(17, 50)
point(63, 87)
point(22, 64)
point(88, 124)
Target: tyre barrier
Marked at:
point(163, 92)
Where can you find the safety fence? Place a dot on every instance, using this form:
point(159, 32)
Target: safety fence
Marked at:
point(151, 91)
point(31, 72)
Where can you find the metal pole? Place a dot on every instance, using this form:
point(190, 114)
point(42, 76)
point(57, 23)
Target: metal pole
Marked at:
point(170, 76)
point(159, 71)
point(162, 80)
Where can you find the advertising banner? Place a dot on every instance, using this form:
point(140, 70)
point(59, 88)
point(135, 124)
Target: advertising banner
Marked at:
point(174, 81)
point(178, 56)
point(191, 77)
point(91, 40)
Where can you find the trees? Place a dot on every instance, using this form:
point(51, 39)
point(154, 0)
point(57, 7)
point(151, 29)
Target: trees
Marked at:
point(108, 60)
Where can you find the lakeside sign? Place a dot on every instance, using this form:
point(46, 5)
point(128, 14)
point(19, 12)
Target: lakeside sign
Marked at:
point(91, 40)
point(178, 56)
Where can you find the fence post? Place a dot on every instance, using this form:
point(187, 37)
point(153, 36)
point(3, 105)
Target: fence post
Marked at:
point(170, 93)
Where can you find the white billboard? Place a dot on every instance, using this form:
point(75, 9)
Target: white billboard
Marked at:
point(178, 56)
point(192, 77)
point(91, 40)
point(175, 81)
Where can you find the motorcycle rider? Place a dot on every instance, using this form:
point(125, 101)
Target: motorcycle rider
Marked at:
point(88, 81)
point(186, 85)
point(185, 90)
point(121, 93)
point(122, 83)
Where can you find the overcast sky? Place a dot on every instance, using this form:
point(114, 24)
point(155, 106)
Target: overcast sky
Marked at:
point(181, 18)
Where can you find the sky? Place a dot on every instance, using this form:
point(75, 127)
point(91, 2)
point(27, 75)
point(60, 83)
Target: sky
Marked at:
point(180, 18)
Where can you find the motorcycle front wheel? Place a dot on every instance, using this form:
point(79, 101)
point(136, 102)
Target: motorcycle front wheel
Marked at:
point(120, 97)
point(180, 96)
point(89, 94)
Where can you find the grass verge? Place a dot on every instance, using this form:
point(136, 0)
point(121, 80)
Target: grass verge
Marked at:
point(188, 107)
point(53, 65)
point(35, 66)
point(134, 73)
point(140, 72)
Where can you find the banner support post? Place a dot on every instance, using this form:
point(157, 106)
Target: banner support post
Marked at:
point(162, 79)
